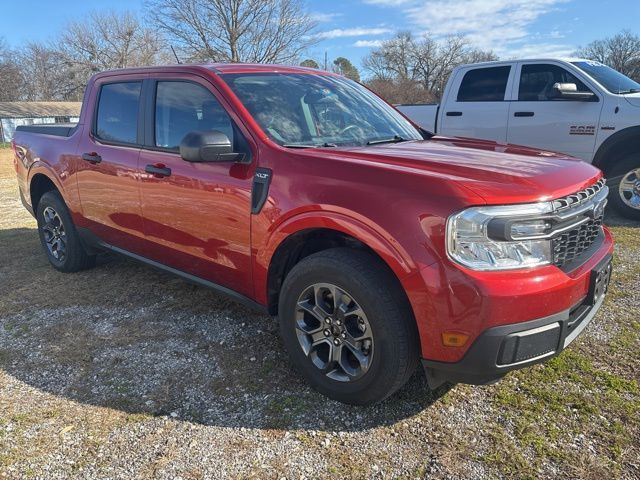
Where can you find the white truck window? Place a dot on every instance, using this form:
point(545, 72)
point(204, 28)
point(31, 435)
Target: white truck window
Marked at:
point(537, 80)
point(484, 84)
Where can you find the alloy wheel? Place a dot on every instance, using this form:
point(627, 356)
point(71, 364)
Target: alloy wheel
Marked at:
point(55, 236)
point(629, 189)
point(333, 332)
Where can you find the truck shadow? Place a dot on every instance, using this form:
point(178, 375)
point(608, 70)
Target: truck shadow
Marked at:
point(612, 219)
point(130, 338)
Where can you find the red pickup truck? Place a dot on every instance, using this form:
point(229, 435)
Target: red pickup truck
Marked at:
point(301, 193)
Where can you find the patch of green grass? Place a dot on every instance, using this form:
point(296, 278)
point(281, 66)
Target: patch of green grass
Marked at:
point(283, 411)
point(570, 397)
point(138, 417)
point(626, 237)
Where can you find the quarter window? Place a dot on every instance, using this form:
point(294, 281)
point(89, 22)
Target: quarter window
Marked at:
point(484, 85)
point(182, 107)
point(117, 116)
point(537, 81)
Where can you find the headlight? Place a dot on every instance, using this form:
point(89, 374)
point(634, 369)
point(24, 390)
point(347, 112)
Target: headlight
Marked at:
point(500, 238)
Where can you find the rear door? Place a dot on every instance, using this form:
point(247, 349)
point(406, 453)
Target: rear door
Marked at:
point(197, 216)
point(538, 120)
point(107, 172)
point(480, 107)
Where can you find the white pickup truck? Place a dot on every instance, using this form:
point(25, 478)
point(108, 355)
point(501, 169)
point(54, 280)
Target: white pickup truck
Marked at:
point(574, 106)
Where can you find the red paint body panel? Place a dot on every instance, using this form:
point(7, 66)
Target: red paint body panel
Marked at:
point(394, 198)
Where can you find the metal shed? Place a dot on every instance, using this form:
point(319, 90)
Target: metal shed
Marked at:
point(13, 114)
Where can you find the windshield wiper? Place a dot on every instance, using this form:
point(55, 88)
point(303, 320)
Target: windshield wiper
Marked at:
point(303, 145)
point(394, 139)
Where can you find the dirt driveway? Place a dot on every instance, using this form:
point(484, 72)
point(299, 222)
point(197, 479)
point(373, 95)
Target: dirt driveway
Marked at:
point(124, 372)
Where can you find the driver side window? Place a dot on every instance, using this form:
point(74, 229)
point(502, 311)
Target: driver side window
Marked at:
point(537, 81)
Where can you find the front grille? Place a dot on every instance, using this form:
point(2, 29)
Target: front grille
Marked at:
point(570, 245)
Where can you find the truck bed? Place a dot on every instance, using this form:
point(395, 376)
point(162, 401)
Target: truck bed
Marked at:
point(55, 129)
point(424, 114)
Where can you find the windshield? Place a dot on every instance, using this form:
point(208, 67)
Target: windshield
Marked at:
point(612, 80)
point(305, 110)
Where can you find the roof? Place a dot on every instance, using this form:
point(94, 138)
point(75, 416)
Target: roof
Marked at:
point(262, 68)
point(538, 60)
point(39, 109)
point(216, 68)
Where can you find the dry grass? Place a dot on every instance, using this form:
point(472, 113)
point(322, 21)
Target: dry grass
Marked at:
point(125, 372)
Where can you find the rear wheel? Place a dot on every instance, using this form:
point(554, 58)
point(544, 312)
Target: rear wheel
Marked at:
point(58, 235)
point(624, 183)
point(347, 326)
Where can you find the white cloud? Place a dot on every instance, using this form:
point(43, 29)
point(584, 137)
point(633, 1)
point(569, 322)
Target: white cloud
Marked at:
point(387, 3)
point(502, 26)
point(353, 32)
point(367, 43)
point(324, 17)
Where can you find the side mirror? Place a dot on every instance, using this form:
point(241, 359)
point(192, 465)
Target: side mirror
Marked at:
point(208, 146)
point(569, 91)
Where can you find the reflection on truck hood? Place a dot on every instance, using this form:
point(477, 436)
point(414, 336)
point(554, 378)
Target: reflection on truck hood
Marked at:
point(497, 172)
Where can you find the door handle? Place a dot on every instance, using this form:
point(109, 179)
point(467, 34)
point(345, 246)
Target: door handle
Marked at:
point(92, 157)
point(454, 114)
point(158, 171)
point(523, 114)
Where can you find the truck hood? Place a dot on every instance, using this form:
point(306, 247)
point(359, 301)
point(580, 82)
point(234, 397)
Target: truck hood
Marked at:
point(499, 173)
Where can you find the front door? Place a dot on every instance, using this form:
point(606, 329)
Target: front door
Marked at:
point(536, 119)
point(480, 109)
point(107, 165)
point(197, 216)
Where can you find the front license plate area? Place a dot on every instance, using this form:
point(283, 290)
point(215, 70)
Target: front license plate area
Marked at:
point(599, 281)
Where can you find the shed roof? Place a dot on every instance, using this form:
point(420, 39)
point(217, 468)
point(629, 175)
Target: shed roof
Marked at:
point(39, 109)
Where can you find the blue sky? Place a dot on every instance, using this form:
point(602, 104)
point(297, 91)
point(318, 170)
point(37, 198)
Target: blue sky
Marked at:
point(350, 28)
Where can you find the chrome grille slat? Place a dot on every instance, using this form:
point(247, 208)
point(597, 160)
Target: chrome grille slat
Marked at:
point(577, 198)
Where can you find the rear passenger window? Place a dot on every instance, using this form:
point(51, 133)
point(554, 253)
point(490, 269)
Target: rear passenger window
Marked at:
point(484, 85)
point(182, 107)
point(117, 116)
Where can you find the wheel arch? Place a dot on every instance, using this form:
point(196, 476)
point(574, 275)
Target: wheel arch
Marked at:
point(621, 143)
point(309, 234)
point(39, 184)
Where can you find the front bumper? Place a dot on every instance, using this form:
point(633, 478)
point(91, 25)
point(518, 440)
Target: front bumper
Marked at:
point(501, 349)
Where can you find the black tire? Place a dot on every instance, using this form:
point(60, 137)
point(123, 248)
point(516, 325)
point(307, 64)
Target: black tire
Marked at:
point(69, 255)
point(370, 285)
point(621, 170)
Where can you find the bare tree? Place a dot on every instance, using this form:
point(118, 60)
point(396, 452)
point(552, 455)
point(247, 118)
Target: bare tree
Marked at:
point(394, 59)
point(423, 60)
point(261, 31)
point(11, 83)
point(108, 40)
point(46, 75)
point(621, 52)
point(400, 91)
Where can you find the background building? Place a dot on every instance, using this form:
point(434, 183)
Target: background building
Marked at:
point(13, 114)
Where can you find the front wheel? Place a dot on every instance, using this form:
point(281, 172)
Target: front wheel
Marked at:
point(624, 184)
point(347, 326)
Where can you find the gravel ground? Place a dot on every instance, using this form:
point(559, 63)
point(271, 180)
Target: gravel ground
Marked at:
point(124, 372)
